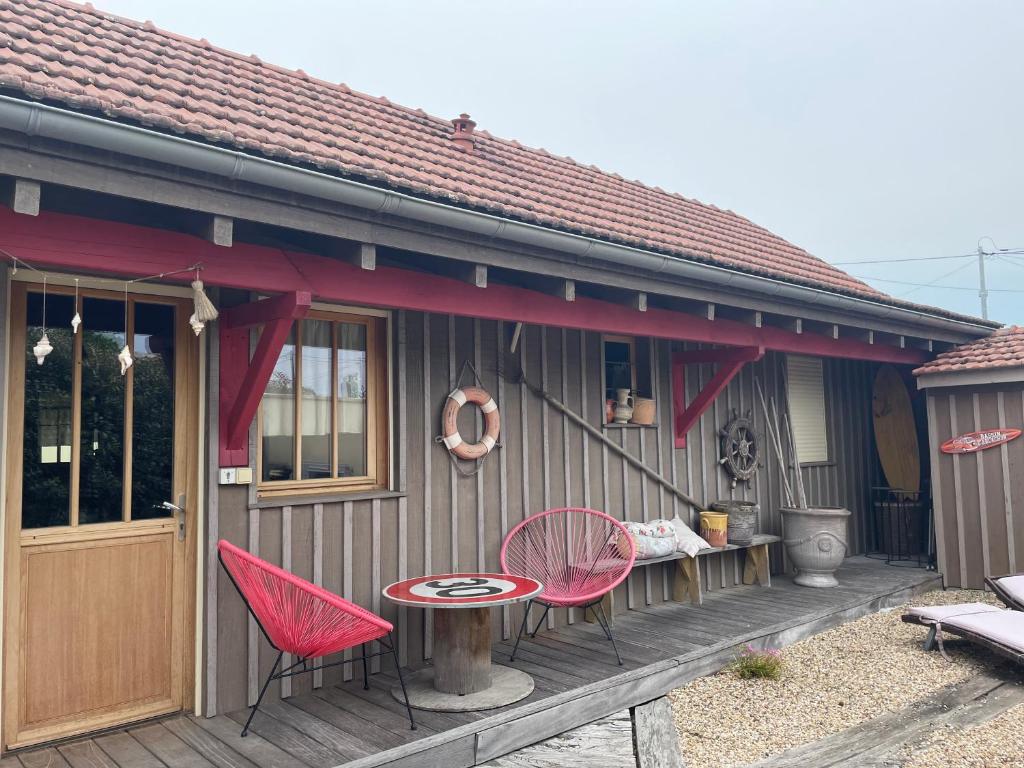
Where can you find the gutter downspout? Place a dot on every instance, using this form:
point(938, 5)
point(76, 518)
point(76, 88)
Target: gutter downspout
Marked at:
point(35, 119)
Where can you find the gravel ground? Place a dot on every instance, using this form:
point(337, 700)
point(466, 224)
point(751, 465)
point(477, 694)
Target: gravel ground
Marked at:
point(993, 744)
point(830, 682)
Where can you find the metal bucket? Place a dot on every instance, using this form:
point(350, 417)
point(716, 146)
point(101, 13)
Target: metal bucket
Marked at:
point(742, 519)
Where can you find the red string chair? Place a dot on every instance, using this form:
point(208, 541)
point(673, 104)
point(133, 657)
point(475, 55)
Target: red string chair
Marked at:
point(304, 620)
point(579, 555)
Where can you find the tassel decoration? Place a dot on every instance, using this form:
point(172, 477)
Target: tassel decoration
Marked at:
point(205, 311)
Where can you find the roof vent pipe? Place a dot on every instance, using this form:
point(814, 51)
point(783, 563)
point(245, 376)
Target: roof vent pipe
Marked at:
point(463, 133)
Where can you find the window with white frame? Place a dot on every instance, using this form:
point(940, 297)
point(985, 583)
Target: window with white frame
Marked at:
point(323, 422)
point(806, 381)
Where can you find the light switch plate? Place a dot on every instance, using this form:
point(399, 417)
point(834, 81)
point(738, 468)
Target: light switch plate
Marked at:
point(228, 475)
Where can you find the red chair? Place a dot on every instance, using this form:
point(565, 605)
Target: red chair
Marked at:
point(579, 555)
point(303, 619)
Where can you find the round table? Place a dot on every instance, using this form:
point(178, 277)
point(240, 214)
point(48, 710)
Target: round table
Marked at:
point(462, 678)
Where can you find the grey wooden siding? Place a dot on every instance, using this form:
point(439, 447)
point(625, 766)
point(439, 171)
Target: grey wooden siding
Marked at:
point(978, 498)
point(446, 521)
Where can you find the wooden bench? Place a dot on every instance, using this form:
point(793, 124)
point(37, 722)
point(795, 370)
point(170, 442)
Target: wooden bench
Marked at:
point(686, 582)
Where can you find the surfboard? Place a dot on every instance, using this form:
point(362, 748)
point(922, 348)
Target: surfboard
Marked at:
point(895, 431)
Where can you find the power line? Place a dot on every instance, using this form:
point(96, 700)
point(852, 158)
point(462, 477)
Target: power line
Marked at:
point(1000, 252)
point(932, 283)
point(939, 287)
point(897, 261)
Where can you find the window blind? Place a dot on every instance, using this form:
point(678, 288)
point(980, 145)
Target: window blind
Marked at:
point(806, 394)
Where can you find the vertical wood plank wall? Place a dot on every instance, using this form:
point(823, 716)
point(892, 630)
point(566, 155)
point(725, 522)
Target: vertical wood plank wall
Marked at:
point(978, 498)
point(445, 520)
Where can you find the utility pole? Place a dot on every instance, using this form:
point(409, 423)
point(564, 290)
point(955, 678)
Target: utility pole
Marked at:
point(982, 288)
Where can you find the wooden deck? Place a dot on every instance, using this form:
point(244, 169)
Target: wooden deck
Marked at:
point(577, 681)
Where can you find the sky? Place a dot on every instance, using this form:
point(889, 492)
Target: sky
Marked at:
point(861, 131)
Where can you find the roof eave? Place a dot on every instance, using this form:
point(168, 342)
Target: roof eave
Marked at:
point(36, 119)
point(971, 377)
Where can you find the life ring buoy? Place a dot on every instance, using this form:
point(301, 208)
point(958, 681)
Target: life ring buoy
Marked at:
point(450, 429)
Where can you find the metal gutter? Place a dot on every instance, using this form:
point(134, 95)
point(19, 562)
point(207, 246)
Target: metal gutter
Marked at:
point(36, 119)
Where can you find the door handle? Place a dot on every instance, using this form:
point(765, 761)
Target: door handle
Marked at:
point(179, 511)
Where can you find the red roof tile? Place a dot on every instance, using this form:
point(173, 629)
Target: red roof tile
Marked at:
point(130, 71)
point(1003, 349)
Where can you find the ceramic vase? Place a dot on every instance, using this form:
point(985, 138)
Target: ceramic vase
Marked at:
point(815, 540)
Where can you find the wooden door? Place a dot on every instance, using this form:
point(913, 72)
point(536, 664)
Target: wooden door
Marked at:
point(99, 573)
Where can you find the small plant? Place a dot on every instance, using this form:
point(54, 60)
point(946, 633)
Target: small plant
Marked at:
point(753, 663)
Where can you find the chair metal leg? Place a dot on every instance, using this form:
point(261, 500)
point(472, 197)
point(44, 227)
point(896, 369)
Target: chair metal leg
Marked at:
point(252, 714)
point(401, 680)
point(929, 642)
point(539, 623)
point(602, 618)
point(366, 674)
point(597, 618)
point(522, 628)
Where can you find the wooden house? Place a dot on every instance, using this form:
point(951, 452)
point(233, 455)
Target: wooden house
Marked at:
point(975, 406)
point(365, 258)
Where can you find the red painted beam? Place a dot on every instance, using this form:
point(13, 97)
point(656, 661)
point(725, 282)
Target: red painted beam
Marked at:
point(286, 306)
point(726, 355)
point(243, 381)
point(86, 245)
point(731, 363)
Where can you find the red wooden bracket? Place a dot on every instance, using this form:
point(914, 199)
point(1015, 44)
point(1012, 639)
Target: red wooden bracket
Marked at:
point(730, 361)
point(243, 381)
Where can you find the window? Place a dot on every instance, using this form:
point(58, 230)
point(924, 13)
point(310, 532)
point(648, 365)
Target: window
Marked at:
point(627, 365)
point(805, 378)
point(323, 419)
point(98, 446)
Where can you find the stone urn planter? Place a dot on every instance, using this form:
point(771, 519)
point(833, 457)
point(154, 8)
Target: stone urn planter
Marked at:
point(815, 539)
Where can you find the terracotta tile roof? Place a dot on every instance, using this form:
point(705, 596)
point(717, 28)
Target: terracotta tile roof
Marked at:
point(80, 58)
point(1003, 349)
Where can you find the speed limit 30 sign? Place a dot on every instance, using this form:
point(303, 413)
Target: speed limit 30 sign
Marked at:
point(454, 590)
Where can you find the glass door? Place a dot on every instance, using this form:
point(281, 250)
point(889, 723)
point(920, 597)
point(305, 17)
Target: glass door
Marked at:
point(101, 483)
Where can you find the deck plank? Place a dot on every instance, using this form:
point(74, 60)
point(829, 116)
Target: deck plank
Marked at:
point(204, 742)
point(254, 747)
point(577, 680)
point(85, 754)
point(124, 750)
point(174, 752)
point(308, 750)
point(349, 745)
point(368, 731)
point(43, 758)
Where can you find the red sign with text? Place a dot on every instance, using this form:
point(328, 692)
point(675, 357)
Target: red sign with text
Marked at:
point(979, 441)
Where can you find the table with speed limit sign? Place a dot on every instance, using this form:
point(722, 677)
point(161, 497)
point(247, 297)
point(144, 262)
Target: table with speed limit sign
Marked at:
point(462, 677)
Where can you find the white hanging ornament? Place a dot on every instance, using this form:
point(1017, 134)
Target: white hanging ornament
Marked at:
point(125, 356)
point(77, 319)
point(42, 348)
point(197, 324)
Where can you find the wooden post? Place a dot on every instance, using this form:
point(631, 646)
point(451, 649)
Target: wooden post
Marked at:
point(462, 650)
point(23, 197)
point(755, 566)
point(220, 230)
point(687, 581)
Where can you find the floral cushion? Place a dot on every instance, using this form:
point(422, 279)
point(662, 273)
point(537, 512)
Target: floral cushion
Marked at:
point(652, 540)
